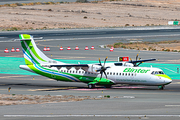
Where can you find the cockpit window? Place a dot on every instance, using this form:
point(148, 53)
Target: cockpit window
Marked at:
point(161, 72)
point(157, 72)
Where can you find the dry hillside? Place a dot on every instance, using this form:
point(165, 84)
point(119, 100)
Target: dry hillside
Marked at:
point(80, 15)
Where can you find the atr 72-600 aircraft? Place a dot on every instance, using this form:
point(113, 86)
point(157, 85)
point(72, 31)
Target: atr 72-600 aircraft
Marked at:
point(93, 74)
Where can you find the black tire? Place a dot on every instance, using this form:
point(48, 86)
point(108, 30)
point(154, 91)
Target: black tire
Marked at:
point(162, 87)
point(108, 86)
point(90, 86)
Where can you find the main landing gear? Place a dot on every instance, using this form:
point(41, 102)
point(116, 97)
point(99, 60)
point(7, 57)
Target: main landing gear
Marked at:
point(108, 86)
point(90, 86)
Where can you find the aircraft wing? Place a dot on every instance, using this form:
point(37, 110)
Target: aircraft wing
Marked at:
point(140, 61)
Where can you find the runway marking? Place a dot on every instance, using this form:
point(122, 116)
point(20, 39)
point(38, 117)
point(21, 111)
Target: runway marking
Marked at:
point(172, 105)
point(128, 87)
point(87, 89)
point(11, 76)
point(170, 70)
point(52, 89)
point(145, 116)
point(110, 37)
point(84, 89)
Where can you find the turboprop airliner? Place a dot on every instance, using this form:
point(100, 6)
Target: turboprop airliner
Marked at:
point(106, 74)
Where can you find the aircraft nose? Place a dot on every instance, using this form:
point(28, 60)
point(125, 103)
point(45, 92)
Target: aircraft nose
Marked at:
point(168, 80)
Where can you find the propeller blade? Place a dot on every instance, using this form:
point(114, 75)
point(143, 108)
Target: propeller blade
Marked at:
point(100, 62)
point(105, 74)
point(137, 57)
point(139, 64)
point(131, 59)
point(101, 75)
point(98, 70)
point(108, 67)
point(105, 60)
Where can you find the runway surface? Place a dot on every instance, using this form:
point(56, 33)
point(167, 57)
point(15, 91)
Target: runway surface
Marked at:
point(126, 102)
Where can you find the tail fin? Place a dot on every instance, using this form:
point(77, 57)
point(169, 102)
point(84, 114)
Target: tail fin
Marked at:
point(32, 54)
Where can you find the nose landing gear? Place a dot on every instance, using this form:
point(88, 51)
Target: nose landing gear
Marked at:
point(161, 87)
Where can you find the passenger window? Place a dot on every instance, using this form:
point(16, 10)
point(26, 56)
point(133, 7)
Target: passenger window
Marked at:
point(123, 74)
point(79, 71)
point(116, 73)
point(113, 73)
point(129, 74)
point(107, 73)
point(110, 73)
point(126, 74)
point(119, 73)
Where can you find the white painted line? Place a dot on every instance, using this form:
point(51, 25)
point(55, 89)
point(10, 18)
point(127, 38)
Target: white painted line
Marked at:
point(172, 105)
point(91, 115)
point(171, 70)
point(109, 37)
point(2, 37)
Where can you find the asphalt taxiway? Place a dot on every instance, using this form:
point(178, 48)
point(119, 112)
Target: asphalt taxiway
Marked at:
point(95, 37)
point(126, 102)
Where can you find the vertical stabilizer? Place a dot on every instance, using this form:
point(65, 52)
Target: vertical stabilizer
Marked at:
point(32, 54)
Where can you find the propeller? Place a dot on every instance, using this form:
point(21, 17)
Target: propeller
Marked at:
point(103, 68)
point(135, 64)
point(137, 57)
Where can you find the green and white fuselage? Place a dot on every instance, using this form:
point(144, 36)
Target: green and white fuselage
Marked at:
point(124, 73)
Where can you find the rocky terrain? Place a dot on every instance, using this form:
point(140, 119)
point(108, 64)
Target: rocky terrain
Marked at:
point(94, 14)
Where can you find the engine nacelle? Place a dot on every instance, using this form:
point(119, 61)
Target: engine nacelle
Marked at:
point(92, 68)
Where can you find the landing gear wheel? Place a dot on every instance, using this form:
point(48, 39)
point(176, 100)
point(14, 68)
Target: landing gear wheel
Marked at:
point(161, 87)
point(108, 86)
point(90, 86)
